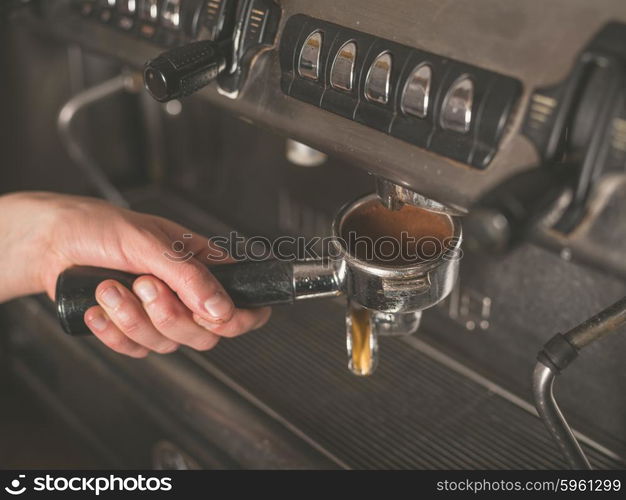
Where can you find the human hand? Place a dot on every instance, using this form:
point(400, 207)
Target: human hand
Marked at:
point(171, 303)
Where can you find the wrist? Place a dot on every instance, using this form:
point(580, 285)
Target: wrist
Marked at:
point(26, 227)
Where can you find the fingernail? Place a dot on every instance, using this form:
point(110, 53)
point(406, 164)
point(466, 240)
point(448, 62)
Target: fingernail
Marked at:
point(168, 348)
point(111, 297)
point(98, 321)
point(202, 322)
point(146, 290)
point(218, 306)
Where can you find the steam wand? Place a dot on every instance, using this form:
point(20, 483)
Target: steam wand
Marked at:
point(556, 355)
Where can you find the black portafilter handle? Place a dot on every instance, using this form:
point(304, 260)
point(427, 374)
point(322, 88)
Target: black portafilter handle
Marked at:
point(250, 284)
point(183, 70)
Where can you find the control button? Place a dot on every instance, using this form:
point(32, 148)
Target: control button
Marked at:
point(416, 92)
point(147, 30)
point(126, 23)
point(309, 64)
point(105, 16)
point(456, 110)
point(377, 80)
point(126, 20)
point(255, 25)
point(215, 14)
point(170, 14)
point(128, 6)
point(149, 10)
point(106, 13)
point(86, 8)
point(342, 71)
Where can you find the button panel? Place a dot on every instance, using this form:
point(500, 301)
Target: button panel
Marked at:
point(167, 23)
point(434, 102)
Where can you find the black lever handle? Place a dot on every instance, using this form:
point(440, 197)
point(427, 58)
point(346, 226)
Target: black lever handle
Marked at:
point(504, 216)
point(184, 70)
point(250, 284)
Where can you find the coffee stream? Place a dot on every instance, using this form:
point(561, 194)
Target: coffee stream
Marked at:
point(362, 359)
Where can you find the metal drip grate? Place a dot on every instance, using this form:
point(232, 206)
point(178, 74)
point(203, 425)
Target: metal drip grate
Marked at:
point(412, 413)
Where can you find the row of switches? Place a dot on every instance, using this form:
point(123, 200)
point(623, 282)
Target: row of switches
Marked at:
point(456, 113)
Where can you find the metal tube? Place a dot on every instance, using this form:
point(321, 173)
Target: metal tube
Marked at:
point(596, 327)
point(314, 279)
point(543, 383)
point(393, 196)
point(73, 146)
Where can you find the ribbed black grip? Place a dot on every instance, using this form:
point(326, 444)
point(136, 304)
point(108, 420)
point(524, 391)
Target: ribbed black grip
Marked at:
point(256, 284)
point(249, 284)
point(184, 70)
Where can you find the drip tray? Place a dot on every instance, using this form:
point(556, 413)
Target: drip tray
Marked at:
point(414, 412)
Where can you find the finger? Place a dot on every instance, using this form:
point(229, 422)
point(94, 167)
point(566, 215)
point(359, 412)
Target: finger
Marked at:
point(171, 258)
point(170, 316)
point(243, 320)
point(205, 250)
point(125, 310)
point(196, 287)
point(103, 328)
point(211, 252)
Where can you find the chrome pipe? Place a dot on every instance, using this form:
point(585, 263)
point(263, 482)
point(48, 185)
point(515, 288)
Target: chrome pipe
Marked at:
point(550, 413)
point(79, 155)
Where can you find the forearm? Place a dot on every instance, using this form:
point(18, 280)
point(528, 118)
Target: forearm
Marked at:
point(26, 220)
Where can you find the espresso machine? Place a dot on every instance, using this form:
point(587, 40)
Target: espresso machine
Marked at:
point(494, 133)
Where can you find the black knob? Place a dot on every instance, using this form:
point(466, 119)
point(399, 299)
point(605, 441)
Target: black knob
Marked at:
point(506, 215)
point(184, 70)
